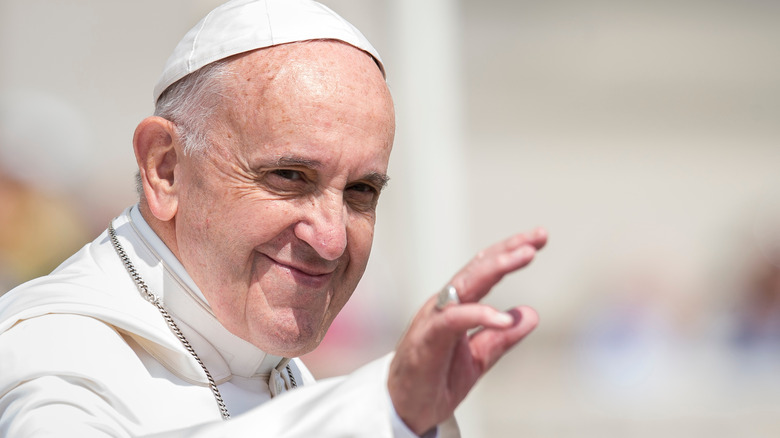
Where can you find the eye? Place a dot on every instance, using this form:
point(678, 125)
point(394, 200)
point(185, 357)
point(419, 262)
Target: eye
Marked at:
point(363, 188)
point(362, 196)
point(286, 181)
point(288, 174)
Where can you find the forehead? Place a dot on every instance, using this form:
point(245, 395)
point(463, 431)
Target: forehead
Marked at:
point(318, 95)
point(307, 73)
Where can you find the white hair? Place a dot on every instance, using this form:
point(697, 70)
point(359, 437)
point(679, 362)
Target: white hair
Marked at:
point(191, 101)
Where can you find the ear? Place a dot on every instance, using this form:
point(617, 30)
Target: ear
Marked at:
point(155, 144)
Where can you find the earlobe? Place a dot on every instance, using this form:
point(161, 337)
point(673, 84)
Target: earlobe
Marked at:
point(155, 149)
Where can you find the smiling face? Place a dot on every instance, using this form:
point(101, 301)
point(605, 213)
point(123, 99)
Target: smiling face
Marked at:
point(275, 221)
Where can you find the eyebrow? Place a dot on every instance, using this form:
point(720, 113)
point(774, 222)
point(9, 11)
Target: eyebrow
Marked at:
point(378, 179)
point(297, 161)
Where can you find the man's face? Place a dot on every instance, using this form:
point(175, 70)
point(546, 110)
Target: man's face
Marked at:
point(275, 222)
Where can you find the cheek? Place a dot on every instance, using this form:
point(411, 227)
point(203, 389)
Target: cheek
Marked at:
point(360, 239)
point(360, 236)
point(197, 205)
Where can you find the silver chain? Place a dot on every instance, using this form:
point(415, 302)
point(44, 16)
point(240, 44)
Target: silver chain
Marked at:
point(154, 299)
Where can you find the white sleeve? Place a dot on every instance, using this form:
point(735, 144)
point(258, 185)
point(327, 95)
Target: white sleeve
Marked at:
point(448, 429)
point(400, 429)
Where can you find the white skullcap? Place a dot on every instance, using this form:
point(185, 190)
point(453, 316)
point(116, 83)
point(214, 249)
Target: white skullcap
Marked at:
point(239, 26)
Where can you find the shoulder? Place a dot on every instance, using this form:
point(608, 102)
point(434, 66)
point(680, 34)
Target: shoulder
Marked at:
point(67, 346)
point(90, 283)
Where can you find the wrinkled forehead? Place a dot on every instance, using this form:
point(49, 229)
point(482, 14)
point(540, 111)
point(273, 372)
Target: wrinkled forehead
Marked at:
point(315, 69)
point(305, 74)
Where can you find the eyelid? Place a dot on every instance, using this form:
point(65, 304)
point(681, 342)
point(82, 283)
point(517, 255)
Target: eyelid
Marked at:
point(278, 172)
point(376, 181)
point(371, 186)
point(287, 185)
point(304, 174)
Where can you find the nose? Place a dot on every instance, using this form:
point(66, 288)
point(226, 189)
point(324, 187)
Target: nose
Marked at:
point(324, 226)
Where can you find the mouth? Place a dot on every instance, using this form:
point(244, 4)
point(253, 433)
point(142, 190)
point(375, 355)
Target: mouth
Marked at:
point(303, 274)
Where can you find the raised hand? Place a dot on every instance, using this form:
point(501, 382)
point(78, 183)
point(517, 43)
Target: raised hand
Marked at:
point(437, 361)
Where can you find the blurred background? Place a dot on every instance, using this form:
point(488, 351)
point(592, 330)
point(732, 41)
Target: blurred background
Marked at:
point(642, 134)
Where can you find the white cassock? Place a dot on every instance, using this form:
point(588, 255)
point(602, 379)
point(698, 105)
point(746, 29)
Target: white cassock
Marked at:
point(83, 354)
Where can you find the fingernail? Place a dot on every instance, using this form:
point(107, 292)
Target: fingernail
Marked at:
point(503, 319)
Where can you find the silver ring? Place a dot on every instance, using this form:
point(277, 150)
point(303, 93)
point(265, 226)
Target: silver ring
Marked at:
point(446, 296)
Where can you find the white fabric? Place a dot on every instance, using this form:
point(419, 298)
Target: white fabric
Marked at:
point(240, 26)
point(84, 355)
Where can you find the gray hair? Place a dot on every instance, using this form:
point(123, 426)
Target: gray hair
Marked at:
point(189, 103)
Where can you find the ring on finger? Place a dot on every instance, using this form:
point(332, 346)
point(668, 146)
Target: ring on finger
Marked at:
point(448, 295)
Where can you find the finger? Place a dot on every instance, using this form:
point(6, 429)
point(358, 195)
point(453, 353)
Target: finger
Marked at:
point(448, 326)
point(488, 267)
point(490, 344)
point(537, 238)
point(461, 318)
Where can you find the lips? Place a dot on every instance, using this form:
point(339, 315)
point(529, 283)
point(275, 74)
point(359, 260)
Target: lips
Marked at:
point(314, 272)
point(308, 274)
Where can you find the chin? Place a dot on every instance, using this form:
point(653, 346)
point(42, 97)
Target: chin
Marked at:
point(292, 341)
point(290, 350)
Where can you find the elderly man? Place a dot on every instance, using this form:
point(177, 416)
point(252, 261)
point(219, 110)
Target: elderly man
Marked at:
point(260, 175)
